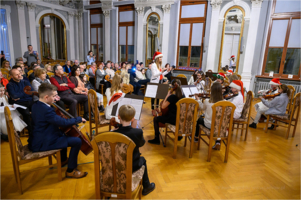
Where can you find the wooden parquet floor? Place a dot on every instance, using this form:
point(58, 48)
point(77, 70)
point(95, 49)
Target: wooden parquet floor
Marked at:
point(266, 166)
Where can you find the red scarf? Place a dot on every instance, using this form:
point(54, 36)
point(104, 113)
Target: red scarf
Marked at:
point(161, 76)
point(115, 97)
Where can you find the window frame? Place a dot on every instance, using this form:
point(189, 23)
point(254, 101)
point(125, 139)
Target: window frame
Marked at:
point(100, 25)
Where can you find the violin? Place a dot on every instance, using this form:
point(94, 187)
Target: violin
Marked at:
point(271, 96)
point(230, 96)
point(201, 95)
point(107, 78)
point(114, 123)
point(72, 131)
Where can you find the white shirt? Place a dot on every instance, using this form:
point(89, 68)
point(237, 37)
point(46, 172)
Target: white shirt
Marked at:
point(110, 72)
point(238, 101)
point(207, 107)
point(156, 74)
point(139, 75)
point(200, 86)
point(45, 103)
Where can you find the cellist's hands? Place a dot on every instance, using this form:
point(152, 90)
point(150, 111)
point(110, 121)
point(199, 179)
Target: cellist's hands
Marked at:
point(83, 120)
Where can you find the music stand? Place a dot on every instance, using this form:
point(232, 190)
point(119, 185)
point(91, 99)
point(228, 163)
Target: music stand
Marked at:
point(183, 80)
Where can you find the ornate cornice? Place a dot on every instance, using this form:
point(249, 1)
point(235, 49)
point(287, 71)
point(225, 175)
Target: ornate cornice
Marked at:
point(71, 14)
point(31, 7)
point(216, 4)
point(166, 8)
point(106, 13)
point(20, 4)
point(79, 15)
point(256, 3)
point(140, 10)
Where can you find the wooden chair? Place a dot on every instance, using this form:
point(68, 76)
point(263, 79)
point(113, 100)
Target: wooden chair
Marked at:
point(29, 72)
point(222, 119)
point(239, 76)
point(66, 74)
point(21, 154)
point(181, 75)
point(87, 76)
point(187, 112)
point(143, 88)
point(289, 105)
point(118, 72)
point(4, 70)
point(292, 116)
point(113, 160)
point(50, 74)
point(208, 83)
point(245, 115)
point(226, 82)
point(88, 66)
point(99, 120)
point(6, 75)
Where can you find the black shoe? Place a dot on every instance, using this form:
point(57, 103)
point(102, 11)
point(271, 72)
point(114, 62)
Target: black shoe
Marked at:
point(253, 125)
point(155, 141)
point(217, 145)
point(4, 137)
point(86, 116)
point(149, 189)
point(180, 138)
point(101, 108)
point(271, 127)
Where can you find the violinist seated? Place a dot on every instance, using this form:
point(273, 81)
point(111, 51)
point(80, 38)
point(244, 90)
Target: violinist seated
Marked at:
point(276, 106)
point(220, 78)
point(169, 102)
point(237, 98)
point(18, 96)
point(206, 105)
point(260, 107)
point(128, 128)
point(200, 82)
point(47, 135)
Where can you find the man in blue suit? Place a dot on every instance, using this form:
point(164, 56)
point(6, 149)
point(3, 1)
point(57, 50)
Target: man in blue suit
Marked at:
point(47, 135)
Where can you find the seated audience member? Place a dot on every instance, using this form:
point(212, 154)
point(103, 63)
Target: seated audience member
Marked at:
point(48, 68)
point(40, 77)
point(113, 94)
point(64, 87)
point(3, 81)
point(109, 71)
point(122, 66)
point(15, 89)
point(19, 60)
point(90, 58)
point(39, 63)
point(135, 84)
point(76, 63)
point(148, 73)
point(141, 77)
point(128, 123)
point(141, 65)
point(31, 76)
point(113, 66)
point(89, 86)
point(100, 77)
point(83, 69)
point(92, 70)
point(125, 75)
point(206, 106)
point(18, 67)
point(67, 67)
point(19, 124)
point(47, 135)
point(32, 66)
point(170, 102)
point(116, 66)
point(5, 65)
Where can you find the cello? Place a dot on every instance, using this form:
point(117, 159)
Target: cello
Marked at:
point(71, 131)
point(107, 78)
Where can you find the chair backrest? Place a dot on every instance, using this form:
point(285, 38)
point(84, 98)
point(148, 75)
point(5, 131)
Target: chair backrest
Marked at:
point(6, 75)
point(114, 151)
point(29, 72)
point(226, 82)
point(291, 97)
point(50, 74)
point(187, 112)
point(208, 83)
point(118, 72)
point(181, 75)
point(87, 77)
point(88, 66)
point(295, 106)
point(15, 144)
point(222, 119)
point(4, 70)
point(93, 105)
point(246, 109)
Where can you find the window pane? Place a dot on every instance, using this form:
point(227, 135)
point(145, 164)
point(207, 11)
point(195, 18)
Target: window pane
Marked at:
point(96, 19)
point(197, 34)
point(122, 53)
point(122, 35)
point(294, 39)
point(93, 36)
point(193, 11)
point(278, 33)
point(183, 55)
point(126, 16)
point(130, 35)
point(99, 35)
point(195, 56)
point(287, 6)
point(94, 49)
point(274, 59)
point(131, 53)
point(100, 53)
point(292, 62)
point(184, 34)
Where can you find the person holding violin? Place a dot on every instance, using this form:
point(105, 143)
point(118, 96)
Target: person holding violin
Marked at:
point(237, 98)
point(200, 83)
point(277, 106)
point(169, 102)
point(47, 135)
point(260, 107)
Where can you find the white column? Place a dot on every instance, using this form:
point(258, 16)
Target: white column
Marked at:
point(76, 46)
point(140, 45)
point(10, 39)
point(32, 26)
point(80, 36)
point(107, 41)
point(71, 40)
point(165, 39)
point(22, 26)
point(213, 34)
point(52, 39)
point(250, 43)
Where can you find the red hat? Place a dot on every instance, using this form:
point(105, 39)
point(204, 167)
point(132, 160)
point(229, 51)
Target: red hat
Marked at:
point(232, 56)
point(237, 84)
point(230, 71)
point(157, 54)
point(220, 75)
point(275, 81)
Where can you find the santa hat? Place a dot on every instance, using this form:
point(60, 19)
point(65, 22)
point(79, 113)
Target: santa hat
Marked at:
point(220, 75)
point(230, 71)
point(237, 84)
point(275, 81)
point(116, 98)
point(232, 56)
point(157, 54)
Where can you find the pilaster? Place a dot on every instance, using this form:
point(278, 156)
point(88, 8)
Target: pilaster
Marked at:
point(71, 33)
point(139, 46)
point(107, 42)
point(165, 38)
point(81, 36)
point(32, 28)
point(22, 26)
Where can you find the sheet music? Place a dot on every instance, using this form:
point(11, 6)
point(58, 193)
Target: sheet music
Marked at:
point(194, 90)
point(151, 91)
point(136, 103)
point(186, 91)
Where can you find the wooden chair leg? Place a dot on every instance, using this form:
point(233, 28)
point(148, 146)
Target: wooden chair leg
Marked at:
point(185, 141)
point(165, 138)
point(59, 165)
point(267, 124)
point(18, 178)
point(191, 144)
point(175, 146)
point(247, 128)
point(242, 128)
point(227, 150)
point(295, 126)
point(50, 160)
point(209, 151)
point(288, 130)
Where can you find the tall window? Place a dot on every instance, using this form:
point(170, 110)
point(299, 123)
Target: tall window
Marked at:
point(282, 56)
point(126, 33)
point(96, 21)
point(191, 33)
point(4, 44)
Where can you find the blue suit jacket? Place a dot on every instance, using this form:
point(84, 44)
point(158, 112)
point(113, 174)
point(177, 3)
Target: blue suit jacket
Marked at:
point(46, 133)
